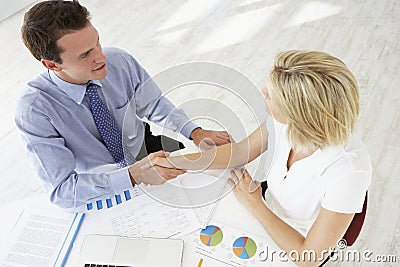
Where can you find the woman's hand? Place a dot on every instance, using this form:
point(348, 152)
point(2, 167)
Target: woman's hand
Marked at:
point(245, 189)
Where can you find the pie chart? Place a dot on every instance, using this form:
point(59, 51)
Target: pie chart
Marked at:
point(244, 247)
point(211, 236)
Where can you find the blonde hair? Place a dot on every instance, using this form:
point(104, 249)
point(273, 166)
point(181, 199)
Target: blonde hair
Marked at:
point(318, 95)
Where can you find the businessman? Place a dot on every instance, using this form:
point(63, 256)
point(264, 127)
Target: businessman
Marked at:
point(71, 117)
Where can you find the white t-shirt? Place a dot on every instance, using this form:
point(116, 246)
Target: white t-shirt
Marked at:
point(335, 178)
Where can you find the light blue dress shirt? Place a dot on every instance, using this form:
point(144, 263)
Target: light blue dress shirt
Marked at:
point(61, 137)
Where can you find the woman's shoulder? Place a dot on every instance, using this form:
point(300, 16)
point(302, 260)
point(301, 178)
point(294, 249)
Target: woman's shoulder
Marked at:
point(357, 155)
point(348, 178)
point(353, 161)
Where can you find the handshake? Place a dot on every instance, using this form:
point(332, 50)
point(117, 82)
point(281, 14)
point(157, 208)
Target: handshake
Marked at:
point(155, 169)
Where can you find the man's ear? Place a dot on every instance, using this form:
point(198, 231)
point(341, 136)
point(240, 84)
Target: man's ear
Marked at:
point(51, 65)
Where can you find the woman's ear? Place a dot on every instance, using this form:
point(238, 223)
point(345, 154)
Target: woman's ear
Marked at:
point(51, 65)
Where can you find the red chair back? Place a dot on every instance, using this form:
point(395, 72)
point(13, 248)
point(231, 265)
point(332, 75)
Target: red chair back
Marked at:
point(356, 224)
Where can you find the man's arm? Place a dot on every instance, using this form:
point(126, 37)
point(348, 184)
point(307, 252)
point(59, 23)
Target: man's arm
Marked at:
point(55, 164)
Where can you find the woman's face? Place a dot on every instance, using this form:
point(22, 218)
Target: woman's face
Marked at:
point(273, 109)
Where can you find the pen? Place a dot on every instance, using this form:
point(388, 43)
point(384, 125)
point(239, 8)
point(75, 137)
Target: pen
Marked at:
point(214, 206)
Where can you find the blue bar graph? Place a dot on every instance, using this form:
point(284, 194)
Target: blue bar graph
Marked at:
point(118, 199)
point(127, 195)
point(99, 204)
point(109, 203)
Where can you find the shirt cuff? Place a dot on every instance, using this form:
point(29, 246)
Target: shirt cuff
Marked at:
point(188, 129)
point(120, 180)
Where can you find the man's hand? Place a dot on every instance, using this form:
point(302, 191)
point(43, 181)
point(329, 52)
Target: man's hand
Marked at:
point(207, 139)
point(145, 172)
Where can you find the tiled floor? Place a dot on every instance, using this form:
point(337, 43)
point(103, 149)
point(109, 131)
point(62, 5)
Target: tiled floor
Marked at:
point(244, 35)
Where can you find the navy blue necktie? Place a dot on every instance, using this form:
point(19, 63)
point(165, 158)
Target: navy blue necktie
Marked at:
point(106, 125)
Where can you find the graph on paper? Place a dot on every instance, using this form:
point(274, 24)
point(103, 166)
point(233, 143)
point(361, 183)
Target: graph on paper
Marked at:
point(244, 247)
point(223, 245)
point(211, 236)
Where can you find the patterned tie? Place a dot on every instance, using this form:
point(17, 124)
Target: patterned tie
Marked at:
point(106, 125)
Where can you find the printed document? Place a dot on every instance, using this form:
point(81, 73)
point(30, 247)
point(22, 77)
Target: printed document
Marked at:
point(41, 238)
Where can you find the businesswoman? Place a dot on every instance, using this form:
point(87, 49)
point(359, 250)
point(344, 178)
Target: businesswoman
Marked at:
point(320, 172)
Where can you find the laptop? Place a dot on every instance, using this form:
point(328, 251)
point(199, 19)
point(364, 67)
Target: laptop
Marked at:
point(104, 250)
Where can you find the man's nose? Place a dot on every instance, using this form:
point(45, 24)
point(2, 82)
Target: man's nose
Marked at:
point(99, 57)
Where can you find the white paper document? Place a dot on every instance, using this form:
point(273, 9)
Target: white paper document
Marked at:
point(144, 216)
point(147, 217)
point(41, 238)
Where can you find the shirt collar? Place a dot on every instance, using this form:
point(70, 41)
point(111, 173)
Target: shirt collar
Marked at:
point(74, 91)
point(326, 157)
point(321, 158)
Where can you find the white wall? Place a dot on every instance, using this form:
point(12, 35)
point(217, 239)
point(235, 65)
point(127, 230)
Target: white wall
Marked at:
point(8, 8)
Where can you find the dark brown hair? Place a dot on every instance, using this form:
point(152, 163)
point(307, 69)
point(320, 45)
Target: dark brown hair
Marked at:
point(48, 21)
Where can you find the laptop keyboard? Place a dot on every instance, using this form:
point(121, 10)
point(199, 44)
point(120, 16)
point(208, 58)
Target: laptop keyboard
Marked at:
point(103, 265)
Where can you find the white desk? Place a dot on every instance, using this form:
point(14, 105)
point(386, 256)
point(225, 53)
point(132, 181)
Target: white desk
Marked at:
point(229, 211)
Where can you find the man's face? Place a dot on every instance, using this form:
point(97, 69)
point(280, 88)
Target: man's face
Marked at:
point(82, 58)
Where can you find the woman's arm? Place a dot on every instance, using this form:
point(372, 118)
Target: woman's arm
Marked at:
point(328, 228)
point(221, 157)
